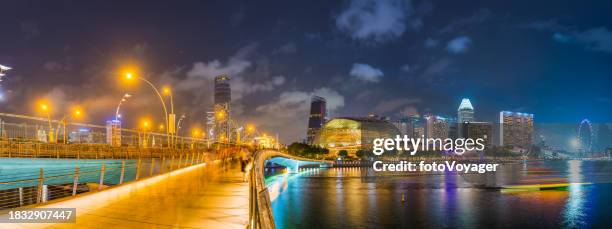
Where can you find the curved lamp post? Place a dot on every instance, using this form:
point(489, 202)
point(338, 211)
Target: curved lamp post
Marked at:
point(130, 76)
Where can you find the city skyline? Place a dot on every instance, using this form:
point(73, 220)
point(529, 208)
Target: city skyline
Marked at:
point(422, 57)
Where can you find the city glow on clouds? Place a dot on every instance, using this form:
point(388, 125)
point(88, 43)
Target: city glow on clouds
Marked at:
point(291, 108)
point(459, 44)
point(366, 73)
point(376, 20)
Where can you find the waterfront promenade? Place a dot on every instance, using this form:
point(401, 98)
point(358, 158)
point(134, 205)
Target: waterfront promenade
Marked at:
point(199, 196)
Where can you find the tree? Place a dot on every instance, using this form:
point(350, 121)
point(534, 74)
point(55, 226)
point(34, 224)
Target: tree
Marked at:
point(360, 153)
point(342, 153)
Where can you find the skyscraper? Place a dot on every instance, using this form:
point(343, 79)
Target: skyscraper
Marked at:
point(465, 111)
point(465, 114)
point(476, 130)
point(436, 127)
point(222, 108)
point(515, 129)
point(223, 93)
point(317, 117)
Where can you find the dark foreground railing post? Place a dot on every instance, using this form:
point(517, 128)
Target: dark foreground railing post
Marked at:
point(152, 166)
point(122, 176)
point(101, 176)
point(163, 163)
point(39, 188)
point(137, 169)
point(75, 181)
point(20, 196)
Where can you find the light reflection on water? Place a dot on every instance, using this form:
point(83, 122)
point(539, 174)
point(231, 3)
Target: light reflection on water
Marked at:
point(353, 197)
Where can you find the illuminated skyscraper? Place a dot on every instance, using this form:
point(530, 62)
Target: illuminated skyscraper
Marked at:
point(317, 117)
point(515, 129)
point(465, 114)
point(465, 111)
point(222, 107)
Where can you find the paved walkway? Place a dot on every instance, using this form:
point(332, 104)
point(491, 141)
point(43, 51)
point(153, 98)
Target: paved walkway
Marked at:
point(195, 197)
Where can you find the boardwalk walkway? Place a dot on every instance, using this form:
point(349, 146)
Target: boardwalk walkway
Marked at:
point(194, 197)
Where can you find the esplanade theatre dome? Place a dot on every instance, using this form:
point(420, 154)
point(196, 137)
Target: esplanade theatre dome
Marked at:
point(352, 134)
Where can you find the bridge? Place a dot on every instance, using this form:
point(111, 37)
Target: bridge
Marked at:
point(209, 193)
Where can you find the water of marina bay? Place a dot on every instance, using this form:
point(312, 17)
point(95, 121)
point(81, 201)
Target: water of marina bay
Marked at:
point(359, 198)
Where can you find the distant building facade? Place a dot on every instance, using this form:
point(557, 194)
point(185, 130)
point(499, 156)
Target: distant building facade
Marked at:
point(316, 119)
point(476, 130)
point(113, 132)
point(515, 129)
point(436, 127)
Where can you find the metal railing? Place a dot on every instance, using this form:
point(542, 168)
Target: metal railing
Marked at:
point(21, 188)
point(14, 148)
point(27, 128)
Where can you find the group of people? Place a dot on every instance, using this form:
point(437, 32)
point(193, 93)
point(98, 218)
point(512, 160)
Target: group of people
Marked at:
point(245, 166)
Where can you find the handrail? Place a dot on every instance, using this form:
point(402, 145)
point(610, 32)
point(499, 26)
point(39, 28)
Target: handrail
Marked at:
point(52, 183)
point(260, 210)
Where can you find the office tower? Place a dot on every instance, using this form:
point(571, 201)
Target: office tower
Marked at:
point(222, 108)
point(209, 129)
point(317, 117)
point(465, 113)
point(476, 130)
point(223, 91)
point(515, 129)
point(416, 126)
point(113, 132)
point(453, 128)
point(436, 127)
point(402, 125)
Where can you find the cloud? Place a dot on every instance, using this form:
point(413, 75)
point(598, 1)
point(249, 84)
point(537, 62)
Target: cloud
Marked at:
point(431, 43)
point(241, 87)
point(465, 23)
point(291, 109)
point(366, 73)
point(393, 104)
point(595, 39)
point(288, 48)
point(55, 66)
point(436, 69)
point(459, 44)
point(235, 65)
point(374, 20)
point(409, 111)
point(406, 68)
point(559, 37)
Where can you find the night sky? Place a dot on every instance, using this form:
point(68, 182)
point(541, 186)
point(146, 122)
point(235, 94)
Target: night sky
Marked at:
point(551, 58)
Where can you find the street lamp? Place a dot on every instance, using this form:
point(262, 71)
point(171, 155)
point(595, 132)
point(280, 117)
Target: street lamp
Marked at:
point(144, 128)
point(123, 99)
point(172, 117)
point(130, 76)
point(77, 112)
point(45, 108)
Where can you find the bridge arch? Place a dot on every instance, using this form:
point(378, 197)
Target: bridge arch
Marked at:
point(260, 215)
